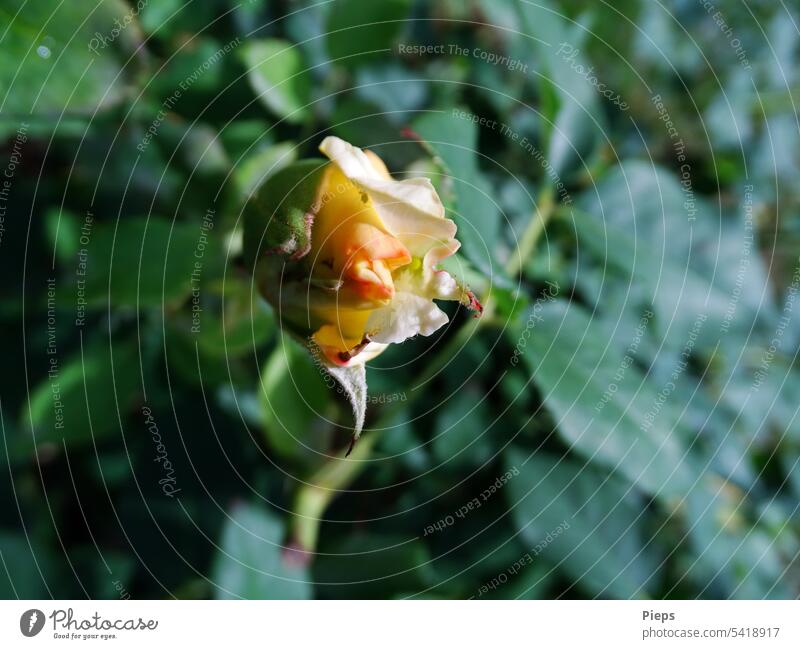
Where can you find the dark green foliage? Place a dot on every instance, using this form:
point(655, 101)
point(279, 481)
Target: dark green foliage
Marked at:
point(623, 421)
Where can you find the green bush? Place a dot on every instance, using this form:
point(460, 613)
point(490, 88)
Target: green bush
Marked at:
point(622, 422)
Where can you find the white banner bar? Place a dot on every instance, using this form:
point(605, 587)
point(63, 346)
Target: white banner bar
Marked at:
point(400, 624)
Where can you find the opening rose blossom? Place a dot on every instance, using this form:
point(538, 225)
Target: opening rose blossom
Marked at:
point(348, 255)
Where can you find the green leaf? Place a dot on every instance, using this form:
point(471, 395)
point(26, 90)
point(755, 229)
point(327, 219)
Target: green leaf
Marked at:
point(295, 401)
point(396, 90)
point(570, 104)
point(147, 261)
point(24, 568)
point(164, 16)
point(254, 169)
point(733, 557)
point(571, 141)
point(278, 75)
point(353, 381)
point(213, 341)
point(634, 273)
point(613, 416)
point(650, 203)
point(359, 31)
point(242, 138)
point(634, 228)
point(362, 123)
point(242, 322)
point(47, 64)
point(374, 566)
point(452, 136)
point(252, 563)
point(461, 436)
point(589, 524)
point(85, 398)
point(193, 69)
point(62, 229)
point(202, 150)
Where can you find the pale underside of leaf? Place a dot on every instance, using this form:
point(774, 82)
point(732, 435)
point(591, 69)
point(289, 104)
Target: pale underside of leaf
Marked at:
point(353, 380)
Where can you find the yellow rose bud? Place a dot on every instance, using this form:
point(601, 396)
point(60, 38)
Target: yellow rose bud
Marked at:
point(362, 272)
point(348, 257)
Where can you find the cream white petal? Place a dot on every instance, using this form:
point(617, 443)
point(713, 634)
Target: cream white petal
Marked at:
point(353, 162)
point(409, 209)
point(405, 208)
point(406, 316)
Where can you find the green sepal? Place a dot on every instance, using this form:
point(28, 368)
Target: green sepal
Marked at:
point(278, 216)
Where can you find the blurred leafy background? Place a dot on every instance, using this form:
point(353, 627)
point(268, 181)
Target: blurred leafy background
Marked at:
point(624, 415)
